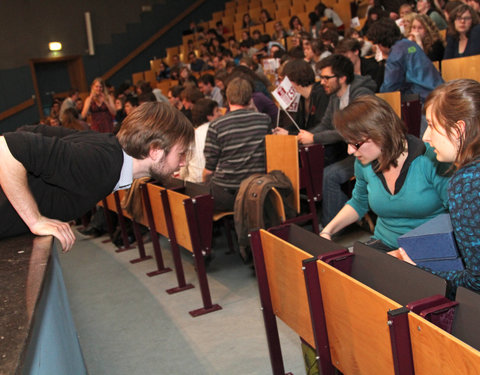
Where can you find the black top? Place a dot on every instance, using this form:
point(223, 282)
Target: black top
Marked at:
point(68, 172)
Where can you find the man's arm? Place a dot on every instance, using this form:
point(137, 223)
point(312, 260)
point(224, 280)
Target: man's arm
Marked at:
point(13, 180)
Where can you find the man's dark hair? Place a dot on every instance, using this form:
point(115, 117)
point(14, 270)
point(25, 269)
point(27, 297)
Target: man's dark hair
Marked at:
point(72, 92)
point(132, 100)
point(296, 53)
point(348, 45)
point(191, 94)
point(206, 79)
point(177, 90)
point(201, 109)
point(341, 66)
point(384, 32)
point(300, 72)
point(146, 97)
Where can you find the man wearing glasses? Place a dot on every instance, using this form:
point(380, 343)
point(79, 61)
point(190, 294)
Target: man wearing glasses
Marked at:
point(338, 81)
point(342, 85)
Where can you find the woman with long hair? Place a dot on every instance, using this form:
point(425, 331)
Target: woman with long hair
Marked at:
point(397, 175)
point(423, 31)
point(453, 116)
point(101, 107)
point(463, 37)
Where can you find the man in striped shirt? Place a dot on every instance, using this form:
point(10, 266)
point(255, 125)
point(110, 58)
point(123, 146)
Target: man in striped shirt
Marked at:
point(235, 145)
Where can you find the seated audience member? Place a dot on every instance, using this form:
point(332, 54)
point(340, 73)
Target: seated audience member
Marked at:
point(189, 97)
point(247, 21)
point(407, 69)
point(130, 104)
point(475, 5)
point(120, 115)
point(79, 106)
point(424, 32)
point(322, 11)
point(330, 39)
point(235, 145)
point(342, 85)
point(204, 111)
point(366, 44)
point(428, 8)
point(313, 100)
point(280, 33)
point(265, 16)
point(261, 81)
point(296, 25)
point(175, 67)
point(196, 64)
point(162, 72)
point(69, 102)
point(174, 96)
point(52, 121)
point(206, 85)
point(453, 115)
point(397, 175)
point(351, 48)
point(315, 25)
point(186, 76)
point(55, 108)
point(463, 37)
point(314, 51)
point(260, 101)
point(373, 15)
point(70, 120)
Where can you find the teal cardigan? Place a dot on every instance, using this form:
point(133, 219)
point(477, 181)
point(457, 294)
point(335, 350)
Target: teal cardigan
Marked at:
point(422, 196)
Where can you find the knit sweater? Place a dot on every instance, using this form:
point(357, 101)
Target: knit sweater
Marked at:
point(464, 206)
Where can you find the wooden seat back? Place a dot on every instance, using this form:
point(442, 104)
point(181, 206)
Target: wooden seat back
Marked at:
point(283, 263)
point(158, 212)
point(461, 67)
point(179, 218)
point(394, 99)
point(356, 319)
point(282, 154)
point(438, 352)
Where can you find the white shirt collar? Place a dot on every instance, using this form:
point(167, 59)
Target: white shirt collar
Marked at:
point(126, 174)
point(345, 98)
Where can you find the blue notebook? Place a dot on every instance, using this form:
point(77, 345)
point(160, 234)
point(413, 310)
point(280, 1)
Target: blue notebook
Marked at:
point(433, 245)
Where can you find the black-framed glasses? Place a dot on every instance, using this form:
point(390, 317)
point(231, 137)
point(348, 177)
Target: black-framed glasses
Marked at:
point(356, 146)
point(326, 78)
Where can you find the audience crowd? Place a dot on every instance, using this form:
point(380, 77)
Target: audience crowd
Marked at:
point(223, 85)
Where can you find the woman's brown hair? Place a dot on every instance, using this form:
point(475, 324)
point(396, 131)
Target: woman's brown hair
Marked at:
point(454, 101)
point(369, 117)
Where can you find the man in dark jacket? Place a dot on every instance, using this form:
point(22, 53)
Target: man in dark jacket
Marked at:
point(339, 81)
point(313, 101)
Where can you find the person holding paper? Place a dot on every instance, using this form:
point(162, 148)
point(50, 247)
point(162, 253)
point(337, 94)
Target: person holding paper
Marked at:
point(313, 101)
point(397, 175)
point(453, 116)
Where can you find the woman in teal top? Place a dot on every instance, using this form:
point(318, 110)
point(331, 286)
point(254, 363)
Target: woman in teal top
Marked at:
point(397, 175)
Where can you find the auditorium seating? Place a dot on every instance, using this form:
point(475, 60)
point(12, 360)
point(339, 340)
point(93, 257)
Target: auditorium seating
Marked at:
point(358, 320)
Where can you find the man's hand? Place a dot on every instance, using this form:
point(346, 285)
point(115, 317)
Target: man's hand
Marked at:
point(45, 226)
point(280, 131)
point(305, 137)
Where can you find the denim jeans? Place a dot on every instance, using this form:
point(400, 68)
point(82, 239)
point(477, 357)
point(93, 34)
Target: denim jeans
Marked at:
point(334, 197)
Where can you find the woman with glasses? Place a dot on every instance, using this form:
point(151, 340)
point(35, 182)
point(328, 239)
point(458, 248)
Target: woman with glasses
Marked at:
point(397, 175)
point(463, 33)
